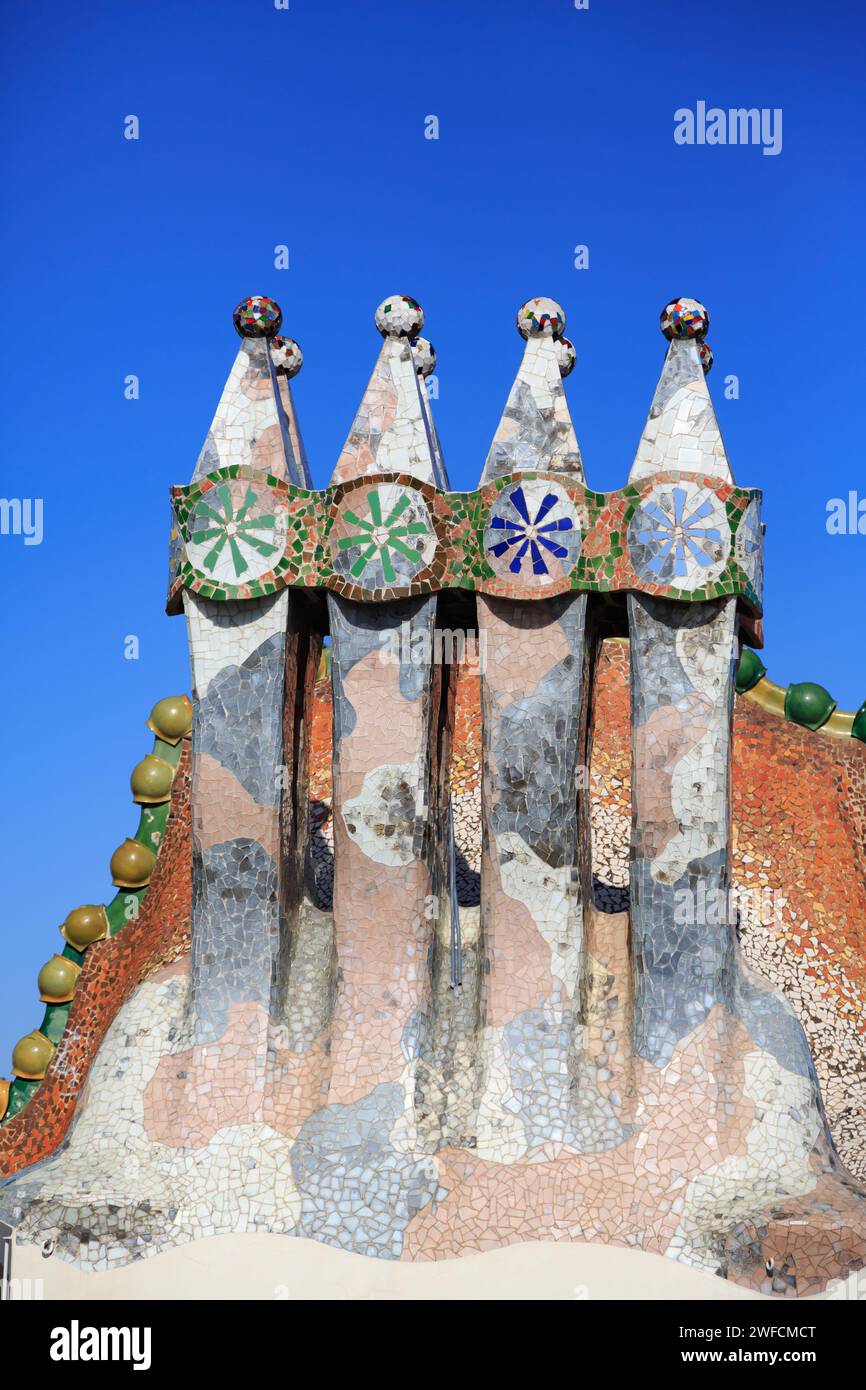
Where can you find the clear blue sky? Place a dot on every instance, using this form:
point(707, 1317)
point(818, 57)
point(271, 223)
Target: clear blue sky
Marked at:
point(306, 127)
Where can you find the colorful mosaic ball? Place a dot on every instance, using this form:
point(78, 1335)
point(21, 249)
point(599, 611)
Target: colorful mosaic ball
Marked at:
point(705, 353)
point(541, 318)
point(425, 356)
point(565, 356)
point(258, 317)
point(398, 316)
point(684, 318)
point(286, 356)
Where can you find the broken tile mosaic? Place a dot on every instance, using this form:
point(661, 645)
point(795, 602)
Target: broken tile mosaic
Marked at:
point(424, 964)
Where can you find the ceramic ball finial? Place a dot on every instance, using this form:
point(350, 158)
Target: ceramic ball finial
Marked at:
point(286, 356)
point(257, 317)
point(425, 356)
point(565, 356)
point(705, 353)
point(684, 318)
point(541, 318)
point(398, 316)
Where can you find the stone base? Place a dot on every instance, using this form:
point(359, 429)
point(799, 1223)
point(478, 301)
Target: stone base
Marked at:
point(260, 1267)
point(718, 1160)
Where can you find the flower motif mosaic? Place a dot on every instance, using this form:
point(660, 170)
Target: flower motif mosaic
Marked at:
point(749, 546)
point(679, 535)
point(244, 534)
point(533, 529)
point(175, 549)
point(235, 533)
point(383, 536)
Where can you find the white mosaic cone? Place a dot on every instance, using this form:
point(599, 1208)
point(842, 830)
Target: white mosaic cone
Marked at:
point(682, 433)
point(390, 432)
point(387, 853)
point(532, 697)
point(536, 430)
point(255, 422)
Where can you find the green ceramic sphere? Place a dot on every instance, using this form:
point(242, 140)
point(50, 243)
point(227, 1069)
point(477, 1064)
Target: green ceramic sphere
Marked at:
point(171, 718)
point(84, 925)
point(808, 704)
point(31, 1055)
point(750, 670)
point(132, 864)
point(57, 979)
point(151, 779)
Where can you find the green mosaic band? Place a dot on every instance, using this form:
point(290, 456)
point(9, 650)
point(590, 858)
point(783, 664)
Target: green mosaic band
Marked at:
point(242, 534)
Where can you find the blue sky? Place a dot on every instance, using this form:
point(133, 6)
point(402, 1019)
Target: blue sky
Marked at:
point(305, 127)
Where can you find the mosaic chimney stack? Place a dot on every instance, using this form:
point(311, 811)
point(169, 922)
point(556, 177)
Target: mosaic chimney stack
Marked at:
point(689, 980)
point(683, 667)
point(389, 862)
point(395, 1072)
point(533, 703)
point(253, 661)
